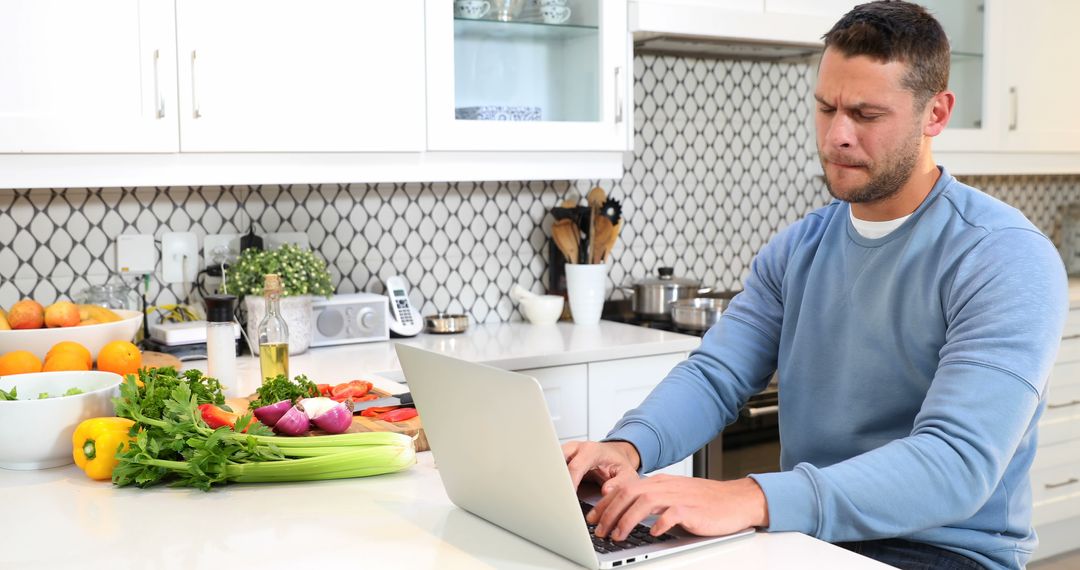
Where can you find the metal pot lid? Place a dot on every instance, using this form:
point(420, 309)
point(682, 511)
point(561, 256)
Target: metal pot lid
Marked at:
point(666, 277)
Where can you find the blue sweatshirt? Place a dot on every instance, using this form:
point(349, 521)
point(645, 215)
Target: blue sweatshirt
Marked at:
point(912, 372)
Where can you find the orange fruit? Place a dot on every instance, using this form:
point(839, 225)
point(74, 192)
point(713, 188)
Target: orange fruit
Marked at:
point(70, 346)
point(121, 357)
point(65, 361)
point(19, 362)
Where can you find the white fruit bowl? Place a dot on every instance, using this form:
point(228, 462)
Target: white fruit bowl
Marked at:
point(93, 337)
point(36, 434)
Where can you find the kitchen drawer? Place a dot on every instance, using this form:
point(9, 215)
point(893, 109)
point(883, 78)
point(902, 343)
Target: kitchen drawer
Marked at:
point(1069, 351)
point(1061, 419)
point(1064, 373)
point(1055, 482)
point(566, 389)
point(1072, 324)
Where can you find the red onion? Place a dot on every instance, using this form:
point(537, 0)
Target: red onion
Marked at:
point(332, 417)
point(294, 422)
point(269, 415)
point(315, 407)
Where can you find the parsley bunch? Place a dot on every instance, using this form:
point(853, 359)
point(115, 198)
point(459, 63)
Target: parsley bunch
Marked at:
point(281, 388)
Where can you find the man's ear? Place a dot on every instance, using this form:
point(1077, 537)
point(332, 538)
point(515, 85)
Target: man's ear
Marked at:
point(940, 109)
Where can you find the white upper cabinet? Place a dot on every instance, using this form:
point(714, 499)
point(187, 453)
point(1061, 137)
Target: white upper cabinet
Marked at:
point(1014, 95)
point(79, 76)
point(528, 75)
point(1042, 78)
point(319, 75)
point(795, 22)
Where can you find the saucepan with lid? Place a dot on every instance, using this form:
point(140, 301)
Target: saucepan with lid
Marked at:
point(700, 313)
point(653, 296)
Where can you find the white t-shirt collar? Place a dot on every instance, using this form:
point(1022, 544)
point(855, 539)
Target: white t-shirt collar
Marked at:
point(875, 230)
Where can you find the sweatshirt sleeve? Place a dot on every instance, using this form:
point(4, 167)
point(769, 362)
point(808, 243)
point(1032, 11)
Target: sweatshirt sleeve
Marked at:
point(1005, 311)
point(735, 360)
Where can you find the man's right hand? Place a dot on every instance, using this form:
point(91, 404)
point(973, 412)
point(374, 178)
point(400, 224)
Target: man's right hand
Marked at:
point(601, 461)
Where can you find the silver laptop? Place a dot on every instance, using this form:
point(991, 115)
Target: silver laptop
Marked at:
point(499, 458)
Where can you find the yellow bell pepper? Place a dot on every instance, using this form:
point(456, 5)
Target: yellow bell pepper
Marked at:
point(95, 443)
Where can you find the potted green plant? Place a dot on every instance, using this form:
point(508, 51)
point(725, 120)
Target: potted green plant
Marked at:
point(303, 275)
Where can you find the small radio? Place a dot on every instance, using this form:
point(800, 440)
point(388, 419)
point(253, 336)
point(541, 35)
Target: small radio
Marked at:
point(350, 318)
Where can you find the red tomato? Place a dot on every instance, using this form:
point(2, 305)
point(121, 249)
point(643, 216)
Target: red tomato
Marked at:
point(353, 390)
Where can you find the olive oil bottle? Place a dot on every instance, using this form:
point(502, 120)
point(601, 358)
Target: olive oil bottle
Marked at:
point(273, 332)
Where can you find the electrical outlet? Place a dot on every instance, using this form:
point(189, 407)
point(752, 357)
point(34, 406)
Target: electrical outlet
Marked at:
point(274, 240)
point(179, 257)
point(221, 248)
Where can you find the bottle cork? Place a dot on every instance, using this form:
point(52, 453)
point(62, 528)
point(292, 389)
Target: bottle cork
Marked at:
point(272, 284)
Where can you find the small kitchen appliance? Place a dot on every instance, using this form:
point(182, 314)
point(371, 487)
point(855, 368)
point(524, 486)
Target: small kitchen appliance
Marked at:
point(349, 318)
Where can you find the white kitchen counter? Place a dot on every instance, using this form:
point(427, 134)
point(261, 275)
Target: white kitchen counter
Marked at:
point(512, 346)
point(58, 518)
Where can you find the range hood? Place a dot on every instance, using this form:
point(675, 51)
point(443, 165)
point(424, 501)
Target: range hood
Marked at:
point(726, 29)
point(719, 48)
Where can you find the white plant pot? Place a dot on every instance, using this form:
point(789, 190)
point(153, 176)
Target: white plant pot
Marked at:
point(297, 313)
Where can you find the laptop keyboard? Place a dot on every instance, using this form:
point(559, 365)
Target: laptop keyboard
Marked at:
point(638, 537)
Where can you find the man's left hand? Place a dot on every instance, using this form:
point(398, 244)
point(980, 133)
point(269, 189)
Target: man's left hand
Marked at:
point(701, 506)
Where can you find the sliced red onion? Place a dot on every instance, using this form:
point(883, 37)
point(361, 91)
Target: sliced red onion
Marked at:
point(269, 415)
point(335, 420)
point(294, 422)
point(315, 407)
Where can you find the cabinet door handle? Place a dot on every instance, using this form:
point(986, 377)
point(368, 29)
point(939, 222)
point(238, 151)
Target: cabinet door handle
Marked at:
point(1014, 105)
point(158, 100)
point(762, 411)
point(1071, 481)
point(1056, 406)
point(194, 99)
point(618, 96)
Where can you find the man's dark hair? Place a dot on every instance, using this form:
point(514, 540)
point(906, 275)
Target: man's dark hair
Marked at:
point(894, 30)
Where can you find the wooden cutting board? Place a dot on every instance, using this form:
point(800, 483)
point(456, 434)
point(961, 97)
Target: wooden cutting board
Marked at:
point(152, 359)
point(411, 427)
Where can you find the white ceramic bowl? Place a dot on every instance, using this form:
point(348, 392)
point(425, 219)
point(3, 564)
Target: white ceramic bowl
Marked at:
point(93, 337)
point(36, 434)
point(542, 309)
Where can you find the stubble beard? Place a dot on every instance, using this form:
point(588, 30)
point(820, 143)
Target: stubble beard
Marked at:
point(887, 182)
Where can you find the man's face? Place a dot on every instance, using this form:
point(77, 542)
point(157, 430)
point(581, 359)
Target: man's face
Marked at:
point(869, 134)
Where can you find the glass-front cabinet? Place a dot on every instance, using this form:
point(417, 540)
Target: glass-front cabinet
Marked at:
point(528, 75)
point(972, 126)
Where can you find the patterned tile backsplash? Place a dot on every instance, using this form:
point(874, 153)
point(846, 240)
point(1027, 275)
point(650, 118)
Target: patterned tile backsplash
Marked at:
point(721, 157)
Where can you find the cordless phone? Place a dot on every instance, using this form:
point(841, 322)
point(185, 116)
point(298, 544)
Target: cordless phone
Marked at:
point(405, 320)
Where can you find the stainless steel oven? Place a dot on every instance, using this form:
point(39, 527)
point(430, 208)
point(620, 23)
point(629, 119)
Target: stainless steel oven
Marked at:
point(749, 445)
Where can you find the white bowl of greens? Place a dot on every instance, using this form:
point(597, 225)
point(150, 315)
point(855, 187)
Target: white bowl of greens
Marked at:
point(39, 412)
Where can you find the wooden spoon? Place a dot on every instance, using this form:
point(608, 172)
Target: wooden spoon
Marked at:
point(603, 231)
point(566, 235)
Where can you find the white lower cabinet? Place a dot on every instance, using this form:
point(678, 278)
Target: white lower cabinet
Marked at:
point(586, 400)
point(1055, 473)
point(616, 386)
point(566, 392)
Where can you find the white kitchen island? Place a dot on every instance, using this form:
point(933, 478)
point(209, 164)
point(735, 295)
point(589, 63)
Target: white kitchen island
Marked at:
point(58, 518)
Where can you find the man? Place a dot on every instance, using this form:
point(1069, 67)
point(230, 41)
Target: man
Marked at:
point(913, 323)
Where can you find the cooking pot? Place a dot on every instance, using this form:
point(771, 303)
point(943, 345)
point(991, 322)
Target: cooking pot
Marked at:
point(700, 313)
point(653, 295)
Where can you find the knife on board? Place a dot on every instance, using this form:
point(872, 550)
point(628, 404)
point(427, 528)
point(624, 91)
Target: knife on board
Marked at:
point(404, 399)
